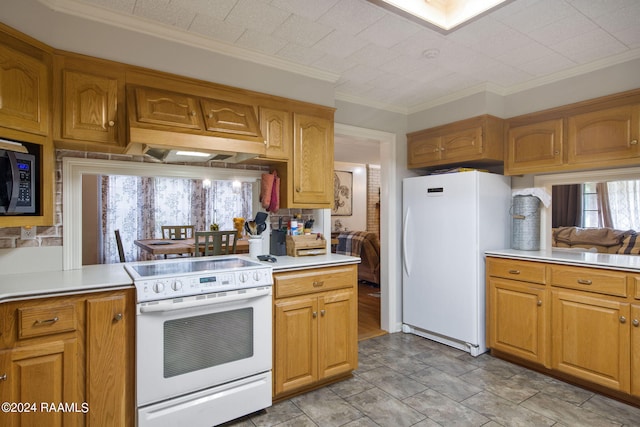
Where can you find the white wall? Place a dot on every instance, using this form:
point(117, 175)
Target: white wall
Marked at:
point(358, 220)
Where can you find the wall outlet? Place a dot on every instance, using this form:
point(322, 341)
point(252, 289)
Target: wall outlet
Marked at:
point(28, 233)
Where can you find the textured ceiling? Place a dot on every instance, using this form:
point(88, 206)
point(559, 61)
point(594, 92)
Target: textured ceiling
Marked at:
point(376, 58)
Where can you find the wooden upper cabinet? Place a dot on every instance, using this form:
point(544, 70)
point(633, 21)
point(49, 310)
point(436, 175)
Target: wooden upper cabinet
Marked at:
point(608, 134)
point(230, 117)
point(312, 161)
point(159, 107)
point(89, 100)
point(534, 147)
point(277, 132)
point(24, 92)
point(476, 140)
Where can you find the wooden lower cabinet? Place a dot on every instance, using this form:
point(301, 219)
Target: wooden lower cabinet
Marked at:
point(576, 322)
point(590, 338)
point(635, 349)
point(110, 379)
point(315, 330)
point(70, 358)
point(518, 320)
point(38, 377)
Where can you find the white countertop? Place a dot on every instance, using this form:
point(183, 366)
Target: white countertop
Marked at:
point(286, 263)
point(563, 256)
point(49, 283)
point(92, 278)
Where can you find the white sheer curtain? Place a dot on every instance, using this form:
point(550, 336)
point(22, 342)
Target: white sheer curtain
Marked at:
point(139, 206)
point(624, 204)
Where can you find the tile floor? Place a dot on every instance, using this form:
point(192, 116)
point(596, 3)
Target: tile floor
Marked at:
point(406, 380)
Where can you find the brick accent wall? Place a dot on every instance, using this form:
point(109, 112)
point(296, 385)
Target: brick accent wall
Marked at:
point(373, 199)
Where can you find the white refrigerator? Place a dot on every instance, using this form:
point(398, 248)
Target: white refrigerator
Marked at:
point(449, 220)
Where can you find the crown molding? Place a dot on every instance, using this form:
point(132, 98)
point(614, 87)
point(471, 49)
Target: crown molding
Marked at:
point(169, 33)
point(340, 96)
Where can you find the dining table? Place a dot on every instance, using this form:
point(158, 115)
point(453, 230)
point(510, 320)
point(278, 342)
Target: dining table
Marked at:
point(180, 246)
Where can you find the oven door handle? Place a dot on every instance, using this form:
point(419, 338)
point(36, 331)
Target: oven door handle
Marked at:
point(165, 306)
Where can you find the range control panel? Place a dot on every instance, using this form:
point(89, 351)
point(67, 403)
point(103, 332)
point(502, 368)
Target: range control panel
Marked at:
point(159, 288)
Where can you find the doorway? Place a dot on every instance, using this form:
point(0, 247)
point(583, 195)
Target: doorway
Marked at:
point(361, 145)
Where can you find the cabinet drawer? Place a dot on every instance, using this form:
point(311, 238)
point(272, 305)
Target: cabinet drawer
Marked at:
point(37, 321)
point(524, 271)
point(314, 280)
point(590, 280)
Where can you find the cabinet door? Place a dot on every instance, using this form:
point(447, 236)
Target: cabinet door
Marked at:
point(590, 338)
point(229, 117)
point(90, 108)
point(276, 130)
point(423, 151)
point(465, 144)
point(24, 92)
point(312, 161)
point(42, 374)
point(534, 147)
point(635, 350)
point(155, 106)
point(295, 343)
point(517, 319)
point(337, 333)
point(603, 135)
point(109, 364)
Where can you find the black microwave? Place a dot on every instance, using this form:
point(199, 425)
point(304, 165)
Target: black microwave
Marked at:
point(17, 183)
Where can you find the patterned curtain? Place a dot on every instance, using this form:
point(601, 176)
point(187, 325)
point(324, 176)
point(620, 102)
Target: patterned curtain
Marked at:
point(624, 204)
point(139, 206)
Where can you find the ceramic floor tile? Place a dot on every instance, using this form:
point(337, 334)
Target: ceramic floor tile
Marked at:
point(445, 411)
point(392, 382)
point(362, 422)
point(326, 408)
point(450, 365)
point(613, 409)
point(277, 414)
point(384, 409)
point(565, 412)
point(402, 363)
point(350, 386)
point(452, 387)
point(555, 388)
point(505, 412)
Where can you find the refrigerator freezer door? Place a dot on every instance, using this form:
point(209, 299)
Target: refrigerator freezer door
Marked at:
point(440, 292)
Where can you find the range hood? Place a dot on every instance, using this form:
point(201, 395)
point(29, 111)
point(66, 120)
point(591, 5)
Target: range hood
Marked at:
point(183, 155)
point(175, 127)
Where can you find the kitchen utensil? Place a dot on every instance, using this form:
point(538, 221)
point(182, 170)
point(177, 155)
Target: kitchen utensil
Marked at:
point(261, 227)
point(252, 227)
point(261, 217)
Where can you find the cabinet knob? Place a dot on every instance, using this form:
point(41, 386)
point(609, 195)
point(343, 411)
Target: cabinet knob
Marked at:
point(584, 281)
point(117, 317)
point(635, 322)
point(111, 123)
point(192, 112)
point(514, 271)
point(3, 377)
point(441, 148)
point(623, 319)
point(315, 314)
point(210, 115)
point(556, 153)
point(539, 303)
point(322, 312)
point(317, 284)
point(634, 142)
point(298, 189)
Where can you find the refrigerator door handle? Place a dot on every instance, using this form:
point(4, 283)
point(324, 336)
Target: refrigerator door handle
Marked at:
point(405, 225)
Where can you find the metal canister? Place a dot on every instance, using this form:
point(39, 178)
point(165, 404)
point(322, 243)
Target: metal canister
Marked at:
point(525, 231)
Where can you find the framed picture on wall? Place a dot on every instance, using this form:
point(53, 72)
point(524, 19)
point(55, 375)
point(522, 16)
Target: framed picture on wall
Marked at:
point(342, 193)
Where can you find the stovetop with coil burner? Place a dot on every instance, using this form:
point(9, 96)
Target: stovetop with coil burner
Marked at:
point(167, 279)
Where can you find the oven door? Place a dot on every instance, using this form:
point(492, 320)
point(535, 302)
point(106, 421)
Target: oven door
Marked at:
point(193, 343)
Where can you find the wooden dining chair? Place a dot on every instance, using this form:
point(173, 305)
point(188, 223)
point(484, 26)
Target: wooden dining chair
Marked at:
point(215, 242)
point(177, 231)
point(119, 245)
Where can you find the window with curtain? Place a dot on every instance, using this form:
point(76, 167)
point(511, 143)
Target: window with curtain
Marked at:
point(139, 206)
point(614, 204)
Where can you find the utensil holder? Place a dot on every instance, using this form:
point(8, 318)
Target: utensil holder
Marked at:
point(255, 247)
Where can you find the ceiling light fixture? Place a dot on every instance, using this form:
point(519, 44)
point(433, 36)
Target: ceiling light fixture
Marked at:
point(441, 15)
point(192, 154)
